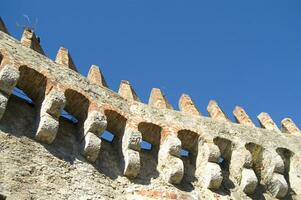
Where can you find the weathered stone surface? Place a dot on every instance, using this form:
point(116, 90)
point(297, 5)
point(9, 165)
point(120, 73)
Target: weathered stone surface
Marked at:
point(215, 112)
point(131, 145)
point(90, 146)
point(186, 105)
point(33, 170)
point(96, 76)
point(169, 165)
point(212, 176)
point(30, 40)
point(288, 126)
point(127, 91)
point(158, 100)
point(96, 123)
point(248, 181)
point(9, 76)
point(208, 171)
point(132, 163)
point(47, 130)
point(64, 58)
point(241, 170)
point(54, 103)
point(267, 122)
point(242, 117)
point(3, 103)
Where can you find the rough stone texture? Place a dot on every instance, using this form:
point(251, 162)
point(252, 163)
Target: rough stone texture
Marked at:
point(215, 112)
point(8, 79)
point(287, 125)
point(267, 122)
point(127, 91)
point(186, 105)
point(207, 169)
point(96, 76)
point(30, 169)
point(91, 146)
point(158, 100)
point(30, 40)
point(3, 103)
point(242, 117)
point(96, 123)
point(63, 57)
point(47, 130)
point(169, 164)
point(241, 170)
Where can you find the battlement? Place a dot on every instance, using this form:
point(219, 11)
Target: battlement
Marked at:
point(225, 159)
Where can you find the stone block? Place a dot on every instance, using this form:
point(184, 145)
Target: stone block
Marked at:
point(3, 104)
point(267, 122)
point(186, 105)
point(131, 139)
point(9, 76)
point(132, 163)
point(242, 117)
point(95, 76)
point(47, 129)
point(288, 126)
point(127, 91)
point(90, 147)
point(278, 186)
point(54, 103)
point(215, 112)
point(248, 181)
point(212, 176)
point(96, 123)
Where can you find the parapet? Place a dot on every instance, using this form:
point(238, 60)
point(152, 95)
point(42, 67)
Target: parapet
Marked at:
point(231, 160)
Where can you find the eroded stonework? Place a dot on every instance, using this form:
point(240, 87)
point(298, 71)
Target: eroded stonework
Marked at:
point(44, 155)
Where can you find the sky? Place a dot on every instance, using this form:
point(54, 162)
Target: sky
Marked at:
point(237, 52)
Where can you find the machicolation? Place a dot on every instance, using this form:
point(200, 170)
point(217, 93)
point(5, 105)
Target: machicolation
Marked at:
point(46, 155)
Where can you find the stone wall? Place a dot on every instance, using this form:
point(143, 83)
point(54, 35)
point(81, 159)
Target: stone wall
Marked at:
point(46, 156)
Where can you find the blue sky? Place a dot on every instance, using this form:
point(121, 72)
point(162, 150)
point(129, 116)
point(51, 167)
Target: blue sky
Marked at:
point(237, 52)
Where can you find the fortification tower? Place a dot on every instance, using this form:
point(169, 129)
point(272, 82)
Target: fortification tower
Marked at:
point(44, 155)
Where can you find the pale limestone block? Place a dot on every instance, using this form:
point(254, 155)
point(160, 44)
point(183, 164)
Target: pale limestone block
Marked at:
point(173, 146)
point(295, 173)
point(64, 58)
point(158, 100)
point(186, 105)
point(288, 126)
point(131, 163)
point(215, 112)
point(9, 76)
point(208, 152)
point(242, 117)
point(169, 165)
point(271, 173)
point(241, 158)
point(267, 122)
point(175, 172)
point(54, 103)
point(248, 181)
point(278, 186)
point(3, 104)
point(47, 129)
point(131, 139)
point(212, 176)
point(96, 76)
point(90, 147)
point(208, 172)
point(127, 91)
point(96, 123)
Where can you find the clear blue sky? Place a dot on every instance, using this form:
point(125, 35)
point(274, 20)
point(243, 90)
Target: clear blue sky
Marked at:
point(238, 52)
